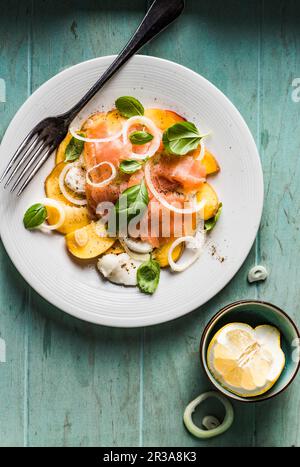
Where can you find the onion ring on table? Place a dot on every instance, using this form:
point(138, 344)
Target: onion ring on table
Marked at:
point(199, 432)
point(61, 182)
point(154, 145)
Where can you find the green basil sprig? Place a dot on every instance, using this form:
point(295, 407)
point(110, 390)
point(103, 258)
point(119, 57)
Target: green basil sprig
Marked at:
point(133, 201)
point(210, 223)
point(35, 216)
point(74, 149)
point(129, 106)
point(148, 275)
point(140, 137)
point(181, 138)
point(130, 166)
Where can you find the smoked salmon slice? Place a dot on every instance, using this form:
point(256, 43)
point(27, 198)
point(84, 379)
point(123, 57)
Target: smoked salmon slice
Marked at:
point(186, 171)
point(112, 151)
point(174, 177)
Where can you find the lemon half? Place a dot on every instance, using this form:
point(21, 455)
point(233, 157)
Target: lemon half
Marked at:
point(244, 360)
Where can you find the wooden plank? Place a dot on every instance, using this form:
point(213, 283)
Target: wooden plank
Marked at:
point(70, 383)
point(83, 379)
point(277, 421)
point(220, 41)
point(13, 290)
point(83, 383)
point(80, 30)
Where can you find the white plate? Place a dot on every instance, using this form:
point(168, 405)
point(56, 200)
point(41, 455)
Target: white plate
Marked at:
point(78, 289)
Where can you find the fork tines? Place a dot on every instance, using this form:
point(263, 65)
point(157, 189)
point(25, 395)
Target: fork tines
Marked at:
point(26, 161)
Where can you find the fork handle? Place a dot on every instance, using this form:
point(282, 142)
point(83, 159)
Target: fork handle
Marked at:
point(160, 14)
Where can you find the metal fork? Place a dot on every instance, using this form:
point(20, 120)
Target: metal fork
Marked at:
point(48, 134)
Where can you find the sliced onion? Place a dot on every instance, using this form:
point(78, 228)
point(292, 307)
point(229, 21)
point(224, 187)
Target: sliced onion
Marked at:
point(199, 432)
point(136, 256)
point(107, 139)
point(202, 146)
point(194, 244)
point(155, 143)
point(138, 246)
point(197, 206)
point(60, 208)
point(61, 182)
point(81, 237)
point(104, 182)
point(202, 151)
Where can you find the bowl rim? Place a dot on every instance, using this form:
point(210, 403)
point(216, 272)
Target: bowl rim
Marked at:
point(214, 319)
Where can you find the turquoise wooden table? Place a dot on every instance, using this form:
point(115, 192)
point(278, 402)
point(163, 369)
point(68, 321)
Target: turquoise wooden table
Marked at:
point(66, 382)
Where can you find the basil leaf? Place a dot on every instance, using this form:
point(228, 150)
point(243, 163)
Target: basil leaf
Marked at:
point(74, 149)
point(132, 202)
point(35, 216)
point(128, 106)
point(130, 166)
point(148, 276)
point(140, 137)
point(210, 223)
point(181, 138)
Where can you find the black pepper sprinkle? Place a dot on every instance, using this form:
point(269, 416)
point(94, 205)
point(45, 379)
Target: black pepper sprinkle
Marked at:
point(214, 253)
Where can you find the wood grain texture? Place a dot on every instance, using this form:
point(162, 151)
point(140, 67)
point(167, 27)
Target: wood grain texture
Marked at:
point(14, 293)
point(208, 40)
point(69, 383)
point(85, 378)
point(277, 423)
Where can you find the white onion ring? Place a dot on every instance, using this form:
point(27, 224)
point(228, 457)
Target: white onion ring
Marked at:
point(136, 256)
point(196, 247)
point(164, 202)
point(150, 125)
point(81, 237)
point(60, 208)
point(199, 432)
point(104, 182)
point(202, 146)
point(61, 182)
point(202, 151)
point(95, 140)
point(138, 246)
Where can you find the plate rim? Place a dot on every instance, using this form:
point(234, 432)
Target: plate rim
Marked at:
point(121, 322)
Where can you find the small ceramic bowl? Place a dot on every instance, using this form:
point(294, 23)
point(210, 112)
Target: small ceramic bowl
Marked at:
point(255, 313)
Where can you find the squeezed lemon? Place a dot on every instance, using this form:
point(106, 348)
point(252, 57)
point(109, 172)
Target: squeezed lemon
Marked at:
point(244, 360)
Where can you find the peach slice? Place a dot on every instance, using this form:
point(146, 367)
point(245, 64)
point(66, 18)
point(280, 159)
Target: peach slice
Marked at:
point(163, 119)
point(52, 188)
point(86, 243)
point(75, 218)
point(210, 163)
point(161, 253)
point(208, 194)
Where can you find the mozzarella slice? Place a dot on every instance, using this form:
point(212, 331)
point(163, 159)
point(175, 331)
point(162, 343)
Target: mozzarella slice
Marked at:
point(119, 269)
point(75, 179)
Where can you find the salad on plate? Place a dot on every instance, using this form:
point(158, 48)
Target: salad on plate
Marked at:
point(129, 190)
